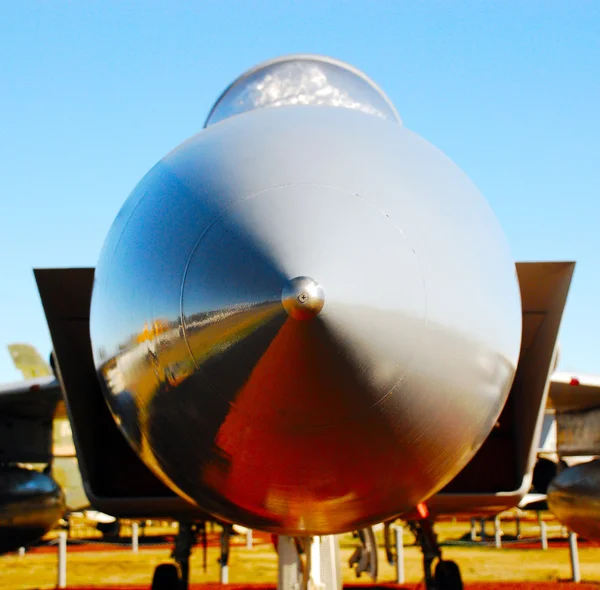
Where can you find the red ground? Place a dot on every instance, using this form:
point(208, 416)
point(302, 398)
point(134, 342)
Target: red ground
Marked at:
point(472, 586)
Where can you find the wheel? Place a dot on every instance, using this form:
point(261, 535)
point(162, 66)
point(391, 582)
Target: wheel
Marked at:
point(447, 576)
point(166, 577)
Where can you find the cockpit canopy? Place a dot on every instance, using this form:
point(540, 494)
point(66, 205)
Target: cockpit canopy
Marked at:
point(303, 80)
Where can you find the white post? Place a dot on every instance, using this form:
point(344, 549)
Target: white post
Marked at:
point(135, 537)
point(400, 575)
point(249, 539)
point(224, 575)
point(497, 533)
point(62, 560)
point(314, 564)
point(544, 535)
point(21, 551)
point(331, 575)
point(473, 530)
point(574, 554)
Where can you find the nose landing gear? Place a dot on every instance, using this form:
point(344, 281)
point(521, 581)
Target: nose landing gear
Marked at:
point(175, 576)
point(447, 573)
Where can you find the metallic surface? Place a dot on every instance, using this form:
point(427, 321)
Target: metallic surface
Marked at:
point(574, 498)
point(317, 426)
point(30, 504)
point(303, 298)
point(578, 433)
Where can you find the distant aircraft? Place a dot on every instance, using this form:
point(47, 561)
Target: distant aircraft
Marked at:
point(306, 320)
point(574, 492)
point(64, 466)
point(40, 480)
point(31, 501)
point(28, 360)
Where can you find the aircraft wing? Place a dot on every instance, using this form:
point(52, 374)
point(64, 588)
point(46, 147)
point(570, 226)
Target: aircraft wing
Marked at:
point(31, 398)
point(28, 360)
point(574, 393)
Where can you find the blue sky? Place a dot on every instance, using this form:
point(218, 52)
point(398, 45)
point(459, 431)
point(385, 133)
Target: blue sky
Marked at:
point(92, 94)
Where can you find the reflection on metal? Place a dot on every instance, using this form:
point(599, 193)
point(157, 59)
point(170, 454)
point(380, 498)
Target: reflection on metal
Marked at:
point(320, 426)
point(574, 498)
point(303, 80)
point(303, 298)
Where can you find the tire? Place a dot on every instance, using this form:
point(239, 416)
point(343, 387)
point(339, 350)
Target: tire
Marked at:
point(166, 577)
point(447, 576)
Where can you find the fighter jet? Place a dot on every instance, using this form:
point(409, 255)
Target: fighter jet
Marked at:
point(574, 492)
point(306, 320)
point(40, 481)
point(31, 501)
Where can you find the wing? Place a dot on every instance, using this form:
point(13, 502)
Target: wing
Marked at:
point(26, 412)
point(28, 360)
point(33, 398)
point(574, 393)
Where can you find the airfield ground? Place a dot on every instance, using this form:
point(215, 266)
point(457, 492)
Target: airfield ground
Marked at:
point(523, 565)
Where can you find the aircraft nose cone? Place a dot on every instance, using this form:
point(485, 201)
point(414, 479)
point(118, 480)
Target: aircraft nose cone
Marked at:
point(248, 393)
point(253, 296)
point(303, 298)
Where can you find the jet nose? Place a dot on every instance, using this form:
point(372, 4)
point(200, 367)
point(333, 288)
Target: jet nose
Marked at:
point(329, 317)
point(305, 253)
point(303, 298)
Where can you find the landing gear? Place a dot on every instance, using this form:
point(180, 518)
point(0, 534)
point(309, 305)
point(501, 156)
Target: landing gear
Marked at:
point(364, 558)
point(176, 576)
point(447, 573)
point(166, 577)
point(309, 562)
point(224, 558)
point(447, 576)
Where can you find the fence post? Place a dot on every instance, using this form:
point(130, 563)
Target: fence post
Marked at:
point(399, 534)
point(62, 560)
point(574, 554)
point(497, 533)
point(544, 535)
point(135, 537)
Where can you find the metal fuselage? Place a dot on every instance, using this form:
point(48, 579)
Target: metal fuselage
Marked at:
point(30, 505)
point(316, 422)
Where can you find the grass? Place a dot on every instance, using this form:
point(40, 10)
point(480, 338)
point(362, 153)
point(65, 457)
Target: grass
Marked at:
point(259, 564)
